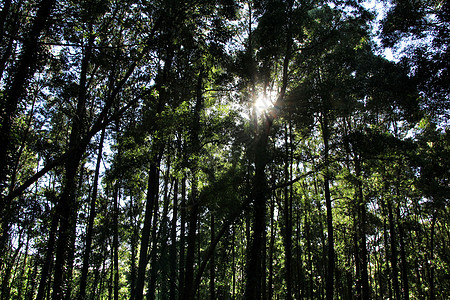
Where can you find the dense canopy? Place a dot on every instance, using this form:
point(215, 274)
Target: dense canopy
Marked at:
point(224, 149)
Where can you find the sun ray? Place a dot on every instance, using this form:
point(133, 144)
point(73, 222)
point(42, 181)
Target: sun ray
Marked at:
point(262, 103)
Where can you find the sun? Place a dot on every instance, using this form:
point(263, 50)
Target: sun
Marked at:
point(262, 104)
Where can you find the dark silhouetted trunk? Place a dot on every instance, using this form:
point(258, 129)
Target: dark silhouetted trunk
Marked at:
point(133, 242)
point(48, 261)
point(393, 246)
point(67, 218)
point(182, 264)
point(254, 267)
point(212, 265)
point(173, 246)
point(233, 262)
point(90, 227)
point(159, 238)
point(71, 247)
point(116, 240)
point(287, 220)
point(193, 205)
point(404, 261)
point(330, 235)
point(431, 266)
point(188, 289)
point(387, 257)
point(365, 290)
point(152, 193)
point(271, 247)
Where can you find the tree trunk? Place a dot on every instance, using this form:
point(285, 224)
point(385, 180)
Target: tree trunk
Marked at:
point(173, 246)
point(90, 227)
point(160, 238)
point(67, 213)
point(133, 247)
point(254, 267)
point(188, 289)
point(31, 282)
point(22, 270)
point(6, 289)
point(404, 261)
point(362, 234)
point(48, 261)
point(393, 258)
point(116, 239)
point(309, 250)
point(387, 257)
point(271, 247)
point(182, 264)
point(193, 203)
point(330, 236)
point(233, 262)
point(212, 265)
point(287, 221)
point(71, 250)
point(431, 259)
point(152, 193)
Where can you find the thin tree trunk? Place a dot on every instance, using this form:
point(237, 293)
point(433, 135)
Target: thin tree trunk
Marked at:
point(309, 241)
point(330, 235)
point(387, 257)
point(393, 258)
point(431, 259)
point(70, 259)
point(404, 261)
point(159, 237)
point(188, 289)
point(6, 289)
point(182, 264)
point(362, 230)
point(71, 246)
point(151, 290)
point(233, 262)
point(133, 243)
point(287, 222)
point(67, 217)
point(31, 282)
point(173, 246)
point(48, 261)
point(193, 203)
point(212, 265)
point(356, 233)
point(116, 239)
point(271, 247)
point(152, 192)
point(90, 227)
